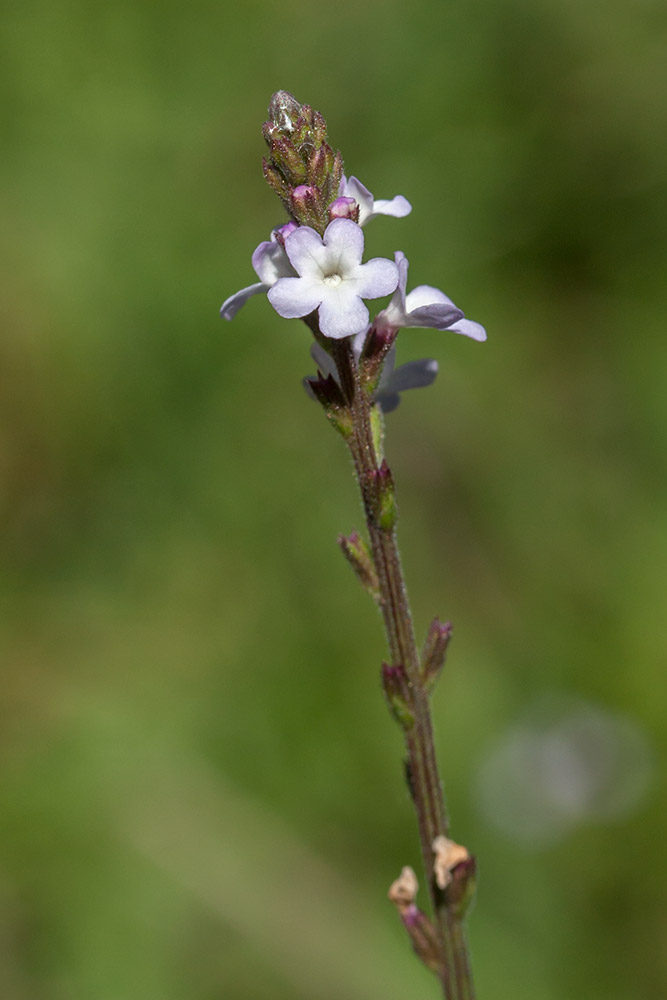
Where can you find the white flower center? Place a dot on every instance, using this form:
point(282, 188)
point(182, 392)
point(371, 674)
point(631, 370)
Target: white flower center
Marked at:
point(332, 280)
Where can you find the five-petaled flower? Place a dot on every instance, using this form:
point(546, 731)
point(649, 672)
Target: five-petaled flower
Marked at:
point(425, 306)
point(331, 278)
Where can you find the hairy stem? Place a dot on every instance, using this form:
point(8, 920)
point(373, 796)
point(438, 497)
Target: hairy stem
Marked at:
point(423, 777)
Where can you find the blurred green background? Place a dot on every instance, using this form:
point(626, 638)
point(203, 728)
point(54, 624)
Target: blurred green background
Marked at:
point(201, 791)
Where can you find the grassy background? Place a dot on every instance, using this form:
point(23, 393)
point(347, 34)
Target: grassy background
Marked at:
point(201, 792)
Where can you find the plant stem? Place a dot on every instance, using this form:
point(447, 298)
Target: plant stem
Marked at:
point(423, 777)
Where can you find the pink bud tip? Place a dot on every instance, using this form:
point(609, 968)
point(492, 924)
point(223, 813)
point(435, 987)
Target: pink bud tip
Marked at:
point(344, 208)
point(303, 191)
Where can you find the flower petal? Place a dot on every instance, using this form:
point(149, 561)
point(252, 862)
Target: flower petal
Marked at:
point(402, 265)
point(295, 297)
point(231, 306)
point(425, 295)
point(344, 241)
point(324, 361)
point(387, 401)
point(429, 307)
point(469, 328)
point(375, 278)
point(399, 207)
point(413, 375)
point(342, 313)
point(306, 252)
point(270, 262)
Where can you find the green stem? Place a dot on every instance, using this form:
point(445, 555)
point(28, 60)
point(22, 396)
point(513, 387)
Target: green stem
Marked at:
point(426, 786)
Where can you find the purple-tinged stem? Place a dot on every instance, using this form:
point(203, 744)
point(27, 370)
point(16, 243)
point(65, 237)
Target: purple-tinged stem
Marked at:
point(424, 779)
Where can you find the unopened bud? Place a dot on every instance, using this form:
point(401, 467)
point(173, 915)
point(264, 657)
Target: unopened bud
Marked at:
point(435, 649)
point(356, 552)
point(397, 691)
point(344, 208)
point(284, 109)
point(300, 158)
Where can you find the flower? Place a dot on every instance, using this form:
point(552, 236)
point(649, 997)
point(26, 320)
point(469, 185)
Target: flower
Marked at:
point(331, 278)
point(425, 306)
point(368, 207)
point(270, 263)
point(411, 375)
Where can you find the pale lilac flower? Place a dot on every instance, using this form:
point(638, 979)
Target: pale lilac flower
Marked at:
point(425, 306)
point(331, 278)
point(270, 263)
point(368, 206)
point(411, 375)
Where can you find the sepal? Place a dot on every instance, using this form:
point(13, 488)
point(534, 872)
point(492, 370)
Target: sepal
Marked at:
point(356, 552)
point(397, 691)
point(460, 892)
point(276, 181)
point(326, 390)
point(306, 204)
point(379, 342)
point(386, 510)
point(434, 652)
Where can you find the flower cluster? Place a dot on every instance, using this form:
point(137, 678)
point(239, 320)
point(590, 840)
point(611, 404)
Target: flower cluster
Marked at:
point(312, 267)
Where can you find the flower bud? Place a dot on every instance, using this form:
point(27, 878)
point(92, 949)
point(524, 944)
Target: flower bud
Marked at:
point(284, 110)
point(344, 208)
point(301, 158)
